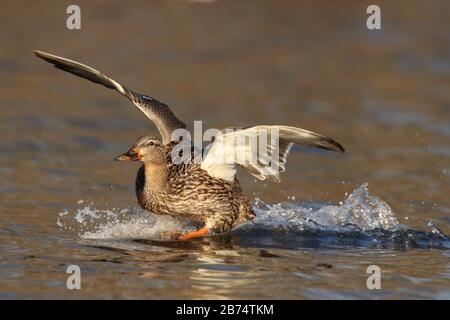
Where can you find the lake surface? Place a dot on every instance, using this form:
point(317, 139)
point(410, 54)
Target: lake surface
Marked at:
point(383, 94)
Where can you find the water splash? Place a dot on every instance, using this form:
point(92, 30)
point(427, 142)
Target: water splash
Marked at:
point(361, 211)
point(116, 223)
point(360, 220)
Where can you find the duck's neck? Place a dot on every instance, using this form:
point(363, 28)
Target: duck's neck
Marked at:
point(155, 177)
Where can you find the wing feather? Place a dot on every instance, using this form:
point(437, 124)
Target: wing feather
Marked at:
point(261, 150)
point(158, 112)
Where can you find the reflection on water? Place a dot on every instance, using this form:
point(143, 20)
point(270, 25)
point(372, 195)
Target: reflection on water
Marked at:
point(384, 95)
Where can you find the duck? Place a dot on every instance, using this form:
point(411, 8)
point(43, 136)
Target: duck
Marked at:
point(200, 186)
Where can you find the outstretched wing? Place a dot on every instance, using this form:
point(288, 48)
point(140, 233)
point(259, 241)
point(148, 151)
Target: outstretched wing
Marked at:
point(156, 111)
point(262, 150)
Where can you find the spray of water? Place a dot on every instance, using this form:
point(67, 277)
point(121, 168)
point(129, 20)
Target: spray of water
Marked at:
point(360, 211)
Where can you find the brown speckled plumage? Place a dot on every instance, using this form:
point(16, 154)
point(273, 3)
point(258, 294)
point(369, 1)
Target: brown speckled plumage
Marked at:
point(190, 192)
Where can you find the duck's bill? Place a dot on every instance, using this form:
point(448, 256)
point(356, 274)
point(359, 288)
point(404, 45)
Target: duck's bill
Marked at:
point(128, 156)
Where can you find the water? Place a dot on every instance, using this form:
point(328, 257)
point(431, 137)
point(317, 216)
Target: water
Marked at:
point(362, 220)
point(383, 95)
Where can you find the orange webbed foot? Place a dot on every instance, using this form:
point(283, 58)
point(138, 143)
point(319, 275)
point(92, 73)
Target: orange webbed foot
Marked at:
point(194, 234)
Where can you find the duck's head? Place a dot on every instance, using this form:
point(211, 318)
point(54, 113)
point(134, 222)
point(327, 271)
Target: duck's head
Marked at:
point(146, 149)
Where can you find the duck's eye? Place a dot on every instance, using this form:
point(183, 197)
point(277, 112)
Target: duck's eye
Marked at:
point(151, 143)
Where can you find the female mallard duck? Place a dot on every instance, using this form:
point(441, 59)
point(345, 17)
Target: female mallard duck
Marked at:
point(205, 191)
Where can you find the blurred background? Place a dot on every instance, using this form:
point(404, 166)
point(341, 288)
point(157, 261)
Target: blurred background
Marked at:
point(384, 94)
